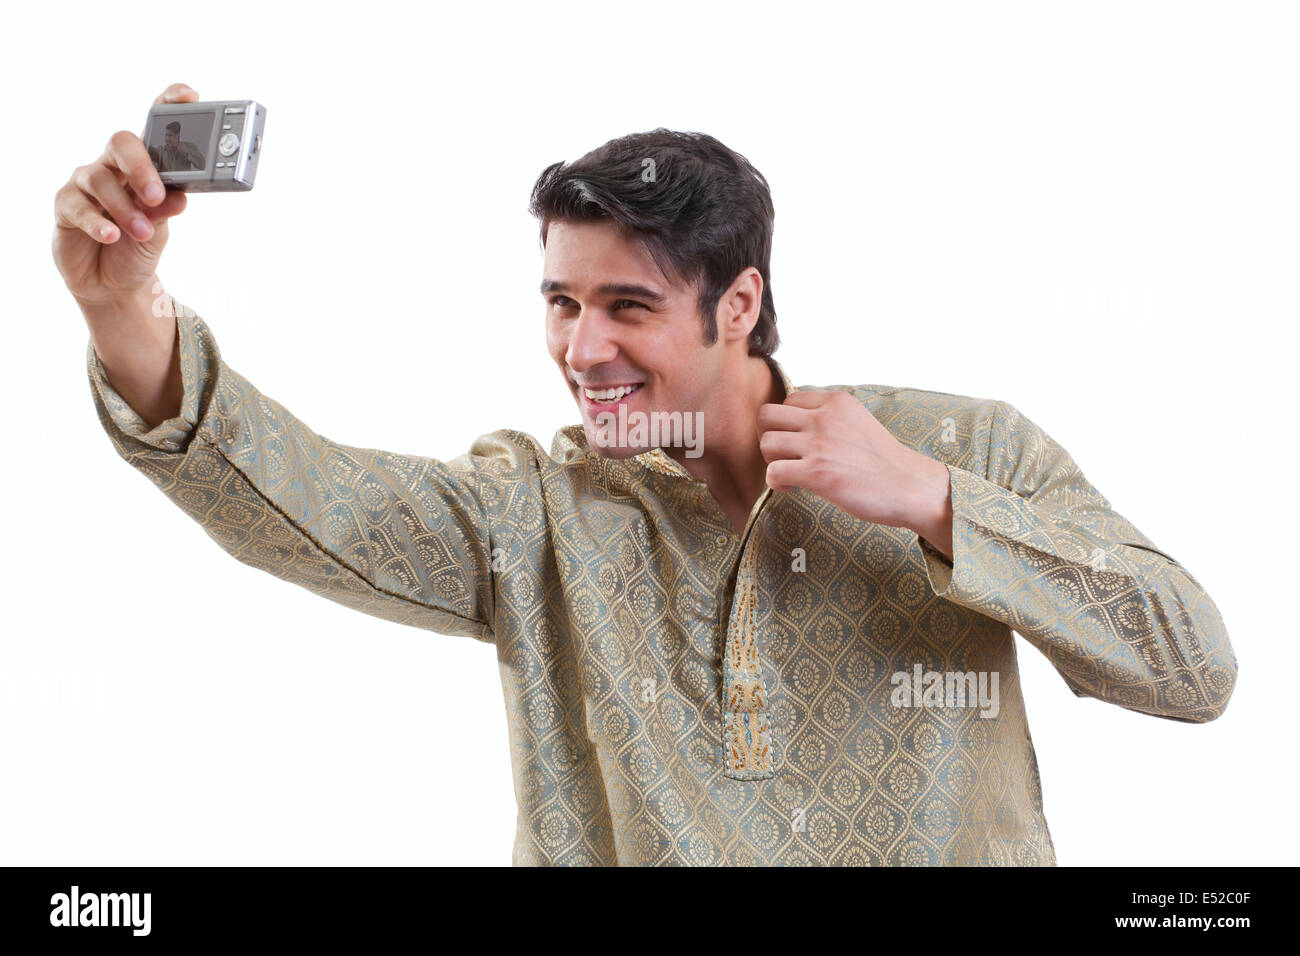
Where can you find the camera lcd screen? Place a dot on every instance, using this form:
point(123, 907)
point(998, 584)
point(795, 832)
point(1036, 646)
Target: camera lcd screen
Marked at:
point(178, 142)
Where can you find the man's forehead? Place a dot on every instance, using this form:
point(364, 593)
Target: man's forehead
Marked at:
point(581, 255)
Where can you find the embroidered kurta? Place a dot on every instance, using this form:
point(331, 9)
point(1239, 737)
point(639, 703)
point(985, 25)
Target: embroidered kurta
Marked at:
point(678, 693)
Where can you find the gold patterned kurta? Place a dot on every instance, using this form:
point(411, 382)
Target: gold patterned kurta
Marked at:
point(679, 693)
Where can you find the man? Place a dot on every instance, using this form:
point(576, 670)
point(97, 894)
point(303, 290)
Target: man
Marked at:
point(795, 647)
point(174, 155)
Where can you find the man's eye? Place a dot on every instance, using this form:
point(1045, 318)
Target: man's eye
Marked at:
point(564, 302)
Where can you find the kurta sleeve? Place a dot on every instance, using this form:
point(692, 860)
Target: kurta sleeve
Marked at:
point(400, 537)
point(1037, 547)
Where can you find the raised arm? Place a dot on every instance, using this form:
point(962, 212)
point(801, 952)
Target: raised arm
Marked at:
point(399, 537)
point(1037, 547)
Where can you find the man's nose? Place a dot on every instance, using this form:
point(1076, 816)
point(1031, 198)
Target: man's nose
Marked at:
point(590, 343)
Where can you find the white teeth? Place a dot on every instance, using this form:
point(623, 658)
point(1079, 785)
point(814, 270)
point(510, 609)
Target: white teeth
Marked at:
point(609, 394)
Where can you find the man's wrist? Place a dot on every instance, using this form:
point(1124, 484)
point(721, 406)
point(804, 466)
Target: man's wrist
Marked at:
point(932, 511)
point(137, 341)
point(141, 306)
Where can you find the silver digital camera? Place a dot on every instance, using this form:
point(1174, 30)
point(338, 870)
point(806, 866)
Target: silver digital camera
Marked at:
point(206, 147)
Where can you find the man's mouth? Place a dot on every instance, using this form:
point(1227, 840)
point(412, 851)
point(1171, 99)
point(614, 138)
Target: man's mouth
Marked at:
point(611, 395)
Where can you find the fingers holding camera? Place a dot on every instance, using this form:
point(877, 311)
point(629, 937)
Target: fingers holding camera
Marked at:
point(104, 205)
point(92, 221)
point(120, 192)
point(136, 204)
point(101, 186)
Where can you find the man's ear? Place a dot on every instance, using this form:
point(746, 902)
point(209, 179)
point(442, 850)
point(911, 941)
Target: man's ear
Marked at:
point(739, 306)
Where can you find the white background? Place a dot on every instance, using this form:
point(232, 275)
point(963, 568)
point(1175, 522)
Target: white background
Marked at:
point(1088, 210)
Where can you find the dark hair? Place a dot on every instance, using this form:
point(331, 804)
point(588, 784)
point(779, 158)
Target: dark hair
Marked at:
point(701, 210)
point(174, 127)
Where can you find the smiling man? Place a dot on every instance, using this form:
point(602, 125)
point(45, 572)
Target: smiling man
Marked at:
point(795, 647)
point(637, 345)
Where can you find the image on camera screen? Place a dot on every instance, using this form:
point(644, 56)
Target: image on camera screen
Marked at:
point(174, 141)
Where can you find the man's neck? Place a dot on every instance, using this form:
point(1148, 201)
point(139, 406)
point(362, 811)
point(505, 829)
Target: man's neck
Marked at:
point(731, 464)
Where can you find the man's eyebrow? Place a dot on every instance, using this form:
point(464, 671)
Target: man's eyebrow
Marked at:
point(613, 288)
